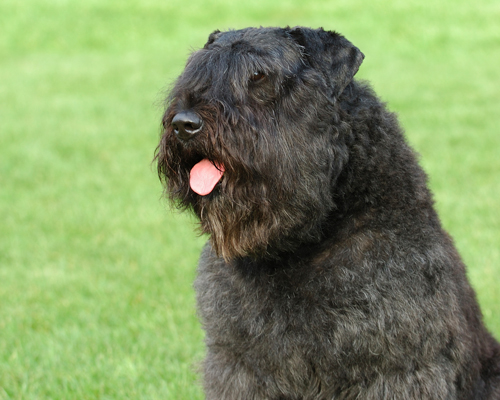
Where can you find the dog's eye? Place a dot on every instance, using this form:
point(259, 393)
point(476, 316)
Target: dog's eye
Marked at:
point(257, 76)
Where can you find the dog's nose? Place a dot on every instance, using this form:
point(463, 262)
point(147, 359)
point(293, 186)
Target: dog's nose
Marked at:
point(186, 125)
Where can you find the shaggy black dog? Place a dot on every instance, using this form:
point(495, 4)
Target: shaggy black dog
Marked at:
point(327, 274)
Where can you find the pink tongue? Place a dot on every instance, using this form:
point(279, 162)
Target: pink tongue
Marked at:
point(204, 176)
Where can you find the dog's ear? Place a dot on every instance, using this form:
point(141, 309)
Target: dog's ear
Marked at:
point(212, 38)
point(331, 53)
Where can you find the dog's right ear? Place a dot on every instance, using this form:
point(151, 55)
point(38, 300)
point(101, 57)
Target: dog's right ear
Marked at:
point(331, 53)
point(212, 38)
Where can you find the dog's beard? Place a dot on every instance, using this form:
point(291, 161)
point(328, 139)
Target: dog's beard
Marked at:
point(256, 213)
point(238, 226)
point(261, 220)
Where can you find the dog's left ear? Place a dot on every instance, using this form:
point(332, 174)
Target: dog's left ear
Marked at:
point(331, 53)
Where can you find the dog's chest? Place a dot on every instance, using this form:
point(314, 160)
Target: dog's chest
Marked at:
point(305, 318)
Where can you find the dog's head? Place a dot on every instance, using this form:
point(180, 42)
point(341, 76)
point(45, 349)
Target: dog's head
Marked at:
point(253, 137)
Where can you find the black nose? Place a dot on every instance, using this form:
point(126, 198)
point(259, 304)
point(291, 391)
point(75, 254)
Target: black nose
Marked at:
point(186, 125)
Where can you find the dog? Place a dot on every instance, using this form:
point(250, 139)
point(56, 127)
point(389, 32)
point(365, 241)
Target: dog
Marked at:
point(327, 274)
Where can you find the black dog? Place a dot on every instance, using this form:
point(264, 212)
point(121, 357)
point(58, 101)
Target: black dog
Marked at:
point(327, 274)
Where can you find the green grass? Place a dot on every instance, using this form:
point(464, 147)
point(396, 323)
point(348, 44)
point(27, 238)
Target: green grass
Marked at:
point(95, 271)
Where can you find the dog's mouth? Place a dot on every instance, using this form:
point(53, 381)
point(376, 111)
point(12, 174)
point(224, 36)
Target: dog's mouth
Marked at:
point(204, 176)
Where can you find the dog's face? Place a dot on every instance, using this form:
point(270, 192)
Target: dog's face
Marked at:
point(252, 138)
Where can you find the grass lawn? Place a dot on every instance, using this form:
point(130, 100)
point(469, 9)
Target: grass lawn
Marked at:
point(95, 271)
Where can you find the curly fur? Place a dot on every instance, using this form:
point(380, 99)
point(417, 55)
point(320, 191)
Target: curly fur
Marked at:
point(327, 274)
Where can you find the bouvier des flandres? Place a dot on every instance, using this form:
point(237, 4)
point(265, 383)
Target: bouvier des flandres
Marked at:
point(327, 274)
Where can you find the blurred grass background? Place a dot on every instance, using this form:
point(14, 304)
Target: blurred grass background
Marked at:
point(95, 271)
